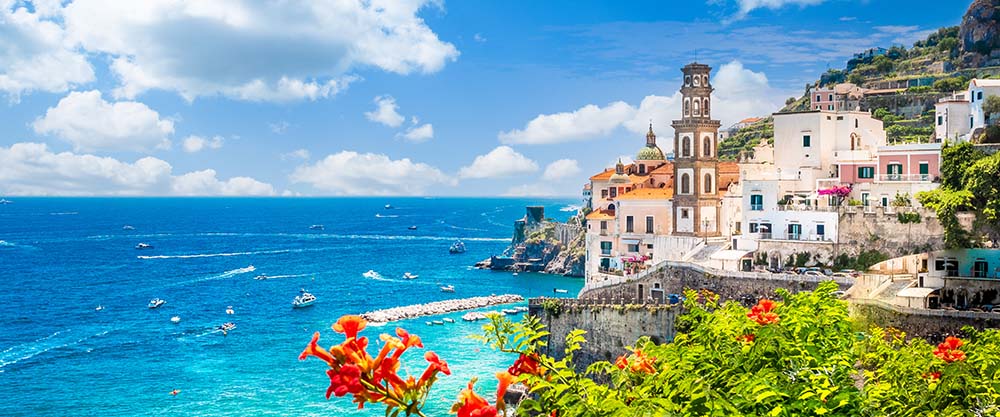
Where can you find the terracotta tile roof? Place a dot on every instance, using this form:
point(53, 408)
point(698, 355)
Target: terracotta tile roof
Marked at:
point(606, 175)
point(980, 82)
point(667, 168)
point(729, 167)
point(648, 194)
point(601, 215)
point(750, 120)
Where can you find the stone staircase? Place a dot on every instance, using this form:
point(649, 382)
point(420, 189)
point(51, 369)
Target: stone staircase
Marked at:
point(704, 251)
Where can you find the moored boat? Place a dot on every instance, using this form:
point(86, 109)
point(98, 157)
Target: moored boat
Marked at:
point(303, 300)
point(5, 201)
point(448, 288)
point(439, 322)
point(175, 319)
point(155, 303)
point(144, 246)
point(408, 275)
point(559, 291)
point(448, 320)
point(412, 227)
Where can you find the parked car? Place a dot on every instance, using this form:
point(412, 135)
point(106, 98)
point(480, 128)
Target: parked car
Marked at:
point(815, 273)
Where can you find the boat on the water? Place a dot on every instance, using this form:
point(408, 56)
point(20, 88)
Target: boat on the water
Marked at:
point(448, 288)
point(316, 227)
point(144, 246)
point(371, 274)
point(439, 322)
point(156, 302)
point(388, 206)
point(261, 277)
point(226, 327)
point(98, 308)
point(457, 247)
point(408, 275)
point(175, 319)
point(5, 201)
point(509, 311)
point(560, 291)
point(128, 227)
point(412, 227)
point(448, 320)
point(303, 300)
point(429, 323)
point(229, 310)
point(473, 316)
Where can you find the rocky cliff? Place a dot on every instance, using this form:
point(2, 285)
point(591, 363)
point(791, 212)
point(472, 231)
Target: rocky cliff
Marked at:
point(543, 245)
point(980, 29)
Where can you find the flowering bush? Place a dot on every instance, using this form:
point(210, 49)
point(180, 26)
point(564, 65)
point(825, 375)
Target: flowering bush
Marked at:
point(798, 356)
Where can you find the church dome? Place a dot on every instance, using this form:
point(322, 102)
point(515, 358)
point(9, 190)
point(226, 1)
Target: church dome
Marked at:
point(619, 176)
point(650, 152)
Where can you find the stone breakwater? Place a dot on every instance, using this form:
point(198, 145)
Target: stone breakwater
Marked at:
point(438, 307)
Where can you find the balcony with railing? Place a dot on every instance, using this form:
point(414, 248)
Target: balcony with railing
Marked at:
point(789, 236)
point(806, 207)
point(757, 207)
point(904, 178)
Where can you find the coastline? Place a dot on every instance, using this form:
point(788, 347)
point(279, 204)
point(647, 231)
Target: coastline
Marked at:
point(438, 307)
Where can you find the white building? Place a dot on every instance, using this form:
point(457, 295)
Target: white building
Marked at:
point(959, 116)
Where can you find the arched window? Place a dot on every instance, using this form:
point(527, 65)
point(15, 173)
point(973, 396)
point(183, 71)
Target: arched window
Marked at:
point(697, 81)
point(687, 80)
point(611, 207)
point(708, 183)
point(687, 107)
point(642, 169)
point(686, 146)
point(704, 109)
point(697, 107)
point(707, 145)
point(685, 184)
point(704, 80)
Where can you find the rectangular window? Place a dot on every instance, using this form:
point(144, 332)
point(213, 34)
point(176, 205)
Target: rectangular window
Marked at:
point(940, 120)
point(829, 107)
point(604, 193)
point(885, 201)
point(633, 248)
point(649, 224)
point(979, 96)
point(606, 248)
point(604, 226)
point(765, 230)
point(979, 269)
point(819, 98)
point(806, 141)
point(614, 192)
point(866, 172)
point(940, 264)
point(684, 213)
point(738, 227)
point(840, 117)
point(753, 228)
point(756, 202)
point(821, 230)
point(831, 97)
point(628, 224)
point(794, 231)
point(864, 199)
point(924, 170)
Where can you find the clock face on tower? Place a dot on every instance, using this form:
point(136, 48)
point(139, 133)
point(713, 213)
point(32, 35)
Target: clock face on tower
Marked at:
point(697, 201)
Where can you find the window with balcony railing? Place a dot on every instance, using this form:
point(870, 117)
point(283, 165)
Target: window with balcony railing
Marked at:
point(756, 202)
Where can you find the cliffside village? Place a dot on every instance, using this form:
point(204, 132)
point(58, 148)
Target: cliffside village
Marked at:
point(829, 186)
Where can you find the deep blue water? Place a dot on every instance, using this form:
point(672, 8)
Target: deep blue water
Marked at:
point(62, 257)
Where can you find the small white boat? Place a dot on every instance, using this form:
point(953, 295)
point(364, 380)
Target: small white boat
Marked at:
point(226, 327)
point(428, 323)
point(303, 300)
point(473, 316)
point(316, 227)
point(408, 275)
point(412, 227)
point(515, 274)
point(509, 311)
point(175, 319)
point(439, 322)
point(128, 227)
point(457, 247)
point(559, 291)
point(371, 274)
point(448, 288)
point(98, 308)
point(156, 302)
point(448, 320)
point(144, 246)
point(229, 310)
point(388, 206)
point(261, 277)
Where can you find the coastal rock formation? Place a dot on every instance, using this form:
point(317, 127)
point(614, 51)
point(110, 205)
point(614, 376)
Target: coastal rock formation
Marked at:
point(543, 245)
point(438, 307)
point(980, 29)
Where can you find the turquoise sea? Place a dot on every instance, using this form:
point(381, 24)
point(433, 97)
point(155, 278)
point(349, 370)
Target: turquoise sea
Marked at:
point(61, 258)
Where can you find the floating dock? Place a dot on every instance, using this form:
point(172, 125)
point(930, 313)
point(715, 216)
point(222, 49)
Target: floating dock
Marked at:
point(438, 307)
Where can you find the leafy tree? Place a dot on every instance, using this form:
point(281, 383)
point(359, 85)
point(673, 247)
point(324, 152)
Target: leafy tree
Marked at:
point(856, 78)
point(883, 64)
point(955, 160)
point(951, 84)
point(948, 45)
point(991, 107)
point(970, 182)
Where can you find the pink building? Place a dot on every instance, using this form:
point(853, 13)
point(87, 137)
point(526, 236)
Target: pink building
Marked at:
point(855, 173)
point(918, 162)
point(841, 97)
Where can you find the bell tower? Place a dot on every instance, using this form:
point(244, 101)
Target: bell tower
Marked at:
point(697, 202)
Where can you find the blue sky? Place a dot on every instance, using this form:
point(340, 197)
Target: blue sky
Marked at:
point(241, 97)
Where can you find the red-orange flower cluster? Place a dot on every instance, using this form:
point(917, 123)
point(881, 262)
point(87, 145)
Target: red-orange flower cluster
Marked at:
point(746, 338)
point(471, 404)
point(933, 376)
point(526, 364)
point(763, 313)
point(637, 362)
point(948, 350)
point(373, 379)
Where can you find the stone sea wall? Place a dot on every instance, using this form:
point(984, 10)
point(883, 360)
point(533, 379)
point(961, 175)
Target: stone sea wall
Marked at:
point(438, 307)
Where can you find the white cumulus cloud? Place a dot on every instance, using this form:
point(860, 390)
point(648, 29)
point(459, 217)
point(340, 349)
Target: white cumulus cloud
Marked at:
point(283, 50)
point(302, 154)
point(421, 133)
point(561, 169)
point(32, 169)
point(36, 53)
point(194, 143)
point(352, 173)
point(386, 112)
point(747, 6)
point(87, 121)
point(587, 122)
point(502, 161)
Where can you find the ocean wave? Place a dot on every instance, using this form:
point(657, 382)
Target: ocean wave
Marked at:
point(386, 216)
point(287, 276)
point(5, 243)
point(571, 207)
point(375, 276)
point(213, 255)
point(28, 351)
point(235, 272)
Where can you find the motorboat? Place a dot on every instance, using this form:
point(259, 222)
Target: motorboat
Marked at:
point(388, 207)
point(408, 275)
point(473, 316)
point(412, 227)
point(261, 277)
point(175, 319)
point(229, 310)
point(515, 274)
point(448, 320)
point(144, 246)
point(304, 300)
point(510, 311)
point(457, 247)
point(428, 323)
point(226, 327)
point(316, 227)
point(371, 274)
point(156, 302)
point(439, 322)
point(98, 308)
point(448, 288)
point(128, 227)
point(559, 291)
